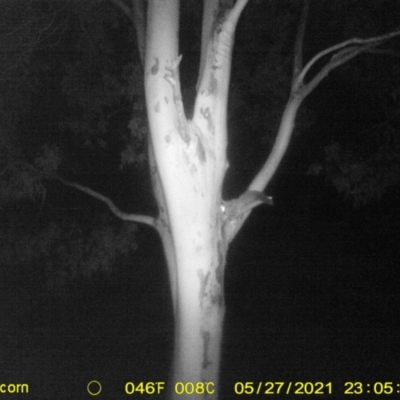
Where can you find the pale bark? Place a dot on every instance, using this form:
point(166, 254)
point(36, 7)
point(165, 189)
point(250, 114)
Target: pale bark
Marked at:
point(190, 161)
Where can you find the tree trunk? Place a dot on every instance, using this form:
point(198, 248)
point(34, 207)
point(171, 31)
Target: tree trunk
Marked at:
point(188, 164)
point(199, 310)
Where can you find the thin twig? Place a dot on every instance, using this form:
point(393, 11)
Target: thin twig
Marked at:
point(144, 219)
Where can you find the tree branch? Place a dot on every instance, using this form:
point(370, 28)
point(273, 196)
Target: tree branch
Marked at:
point(115, 210)
point(137, 15)
point(298, 47)
point(384, 52)
point(139, 21)
point(211, 10)
point(210, 7)
point(125, 9)
point(336, 60)
point(281, 144)
point(286, 127)
point(345, 51)
point(377, 40)
point(236, 11)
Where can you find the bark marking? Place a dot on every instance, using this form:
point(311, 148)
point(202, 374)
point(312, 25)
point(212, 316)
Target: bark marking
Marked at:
point(156, 67)
point(206, 342)
point(205, 112)
point(203, 283)
point(193, 169)
point(212, 89)
point(172, 77)
point(201, 152)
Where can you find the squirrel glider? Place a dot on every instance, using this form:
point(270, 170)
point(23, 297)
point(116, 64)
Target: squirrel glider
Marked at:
point(234, 209)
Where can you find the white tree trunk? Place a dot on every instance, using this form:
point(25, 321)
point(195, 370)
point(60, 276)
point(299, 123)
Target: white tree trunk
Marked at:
point(189, 164)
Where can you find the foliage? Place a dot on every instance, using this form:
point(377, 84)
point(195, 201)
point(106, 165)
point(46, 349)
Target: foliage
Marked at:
point(66, 250)
point(135, 152)
point(24, 32)
point(18, 181)
point(362, 161)
point(364, 178)
point(365, 163)
point(101, 82)
point(76, 99)
point(66, 92)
